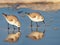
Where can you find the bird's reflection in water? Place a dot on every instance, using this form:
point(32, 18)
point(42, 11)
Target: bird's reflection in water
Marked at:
point(36, 35)
point(13, 37)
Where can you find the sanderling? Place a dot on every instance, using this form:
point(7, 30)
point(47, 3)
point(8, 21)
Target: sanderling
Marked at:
point(35, 35)
point(35, 17)
point(13, 20)
point(13, 37)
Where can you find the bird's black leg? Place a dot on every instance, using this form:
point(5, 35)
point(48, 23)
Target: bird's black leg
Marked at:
point(44, 22)
point(31, 26)
point(14, 29)
point(18, 29)
point(8, 28)
point(37, 26)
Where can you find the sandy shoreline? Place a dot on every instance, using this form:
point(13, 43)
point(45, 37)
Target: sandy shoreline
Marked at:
point(49, 6)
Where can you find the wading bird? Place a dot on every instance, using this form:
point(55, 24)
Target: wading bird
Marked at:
point(35, 17)
point(13, 20)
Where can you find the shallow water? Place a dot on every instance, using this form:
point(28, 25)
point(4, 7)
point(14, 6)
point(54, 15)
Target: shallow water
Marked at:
point(52, 27)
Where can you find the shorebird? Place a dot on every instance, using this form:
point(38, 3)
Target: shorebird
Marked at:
point(13, 20)
point(35, 35)
point(35, 17)
point(13, 37)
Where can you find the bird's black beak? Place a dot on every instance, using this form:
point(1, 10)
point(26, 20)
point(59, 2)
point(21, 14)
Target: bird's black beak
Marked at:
point(44, 22)
point(20, 12)
point(4, 14)
point(27, 13)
